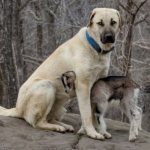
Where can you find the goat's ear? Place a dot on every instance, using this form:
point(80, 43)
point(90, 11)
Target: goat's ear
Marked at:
point(120, 20)
point(91, 19)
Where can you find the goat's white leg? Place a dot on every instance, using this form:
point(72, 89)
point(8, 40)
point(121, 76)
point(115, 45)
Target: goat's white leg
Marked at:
point(128, 105)
point(136, 113)
point(103, 127)
point(133, 130)
point(137, 110)
point(132, 135)
point(139, 118)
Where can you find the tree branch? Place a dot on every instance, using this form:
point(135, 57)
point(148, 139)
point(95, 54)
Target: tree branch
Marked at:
point(140, 62)
point(37, 60)
point(120, 4)
point(142, 19)
point(35, 16)
point(138, 8)
point(51, 13)
point(31, 61)
point(1, 27)
point(24, 5)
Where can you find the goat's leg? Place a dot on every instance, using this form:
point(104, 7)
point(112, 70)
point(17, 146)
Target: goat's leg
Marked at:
point(125, 106)
point(103, 127)
point(128, 105)
point(140, 118)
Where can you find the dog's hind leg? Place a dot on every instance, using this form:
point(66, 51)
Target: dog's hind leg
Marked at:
point(43, 124)
point(66, 126)
point(41, 100)
point(57, 114)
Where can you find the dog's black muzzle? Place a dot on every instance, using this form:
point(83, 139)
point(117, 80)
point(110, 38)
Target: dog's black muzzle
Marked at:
point(108, 37)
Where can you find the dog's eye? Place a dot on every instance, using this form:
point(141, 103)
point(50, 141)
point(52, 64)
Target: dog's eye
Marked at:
point(100, 23)
point(112, 22)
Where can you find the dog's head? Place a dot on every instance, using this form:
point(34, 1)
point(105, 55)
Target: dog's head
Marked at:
point(103, 25)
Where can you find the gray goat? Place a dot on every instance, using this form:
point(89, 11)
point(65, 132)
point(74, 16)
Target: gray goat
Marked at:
point(102, 93)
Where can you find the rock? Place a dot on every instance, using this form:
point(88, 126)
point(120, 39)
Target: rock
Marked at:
point(16, 134)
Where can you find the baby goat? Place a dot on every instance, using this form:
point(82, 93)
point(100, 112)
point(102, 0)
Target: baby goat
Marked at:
point(105, 90)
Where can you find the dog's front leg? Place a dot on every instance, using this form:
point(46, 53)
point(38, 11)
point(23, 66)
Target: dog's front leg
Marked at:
point(83, 95)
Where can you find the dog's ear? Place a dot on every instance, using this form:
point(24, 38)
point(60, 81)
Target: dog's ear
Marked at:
point(91, 19)
point(120, 20)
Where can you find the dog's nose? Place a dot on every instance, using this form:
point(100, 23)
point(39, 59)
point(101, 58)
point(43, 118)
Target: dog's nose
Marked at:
point(108, 38)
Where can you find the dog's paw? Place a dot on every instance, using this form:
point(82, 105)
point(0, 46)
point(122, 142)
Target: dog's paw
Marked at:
point(81, 131)
point(107, 135)
point(69, 128)
point(96, 135)
point(60, 128)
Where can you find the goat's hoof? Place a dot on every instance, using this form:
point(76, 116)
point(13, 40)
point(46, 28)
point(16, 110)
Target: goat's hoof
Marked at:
point(132, 138)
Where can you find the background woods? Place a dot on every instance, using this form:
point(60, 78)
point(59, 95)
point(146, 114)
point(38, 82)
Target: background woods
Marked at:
point(30, 30)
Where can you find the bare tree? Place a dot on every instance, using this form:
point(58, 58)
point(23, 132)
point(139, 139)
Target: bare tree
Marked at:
point(17, 42)
point(131, 11)
point(1, 86)
point(8, 65)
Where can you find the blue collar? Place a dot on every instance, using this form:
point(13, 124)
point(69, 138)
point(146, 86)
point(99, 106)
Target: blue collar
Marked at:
point(95, 45)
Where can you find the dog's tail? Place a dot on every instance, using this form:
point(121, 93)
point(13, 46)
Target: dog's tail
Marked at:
point(9, 112)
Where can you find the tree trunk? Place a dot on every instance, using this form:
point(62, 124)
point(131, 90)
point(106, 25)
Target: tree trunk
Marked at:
point(18, 42)
point(8, 66)
point(128, 42)
point(1, 87)
point(39, 29)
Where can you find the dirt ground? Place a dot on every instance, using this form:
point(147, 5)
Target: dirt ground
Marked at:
point(16, 134)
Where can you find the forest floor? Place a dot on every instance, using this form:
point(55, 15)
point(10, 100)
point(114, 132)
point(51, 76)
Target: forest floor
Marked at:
point(16, 134)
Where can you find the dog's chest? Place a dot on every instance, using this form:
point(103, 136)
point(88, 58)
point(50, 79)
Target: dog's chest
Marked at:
point(100, 67)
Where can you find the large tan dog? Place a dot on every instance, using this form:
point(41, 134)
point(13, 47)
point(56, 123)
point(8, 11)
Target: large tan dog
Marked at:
point(42, 96)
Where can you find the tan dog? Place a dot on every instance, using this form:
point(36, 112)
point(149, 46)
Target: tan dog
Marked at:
point(42, 96)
